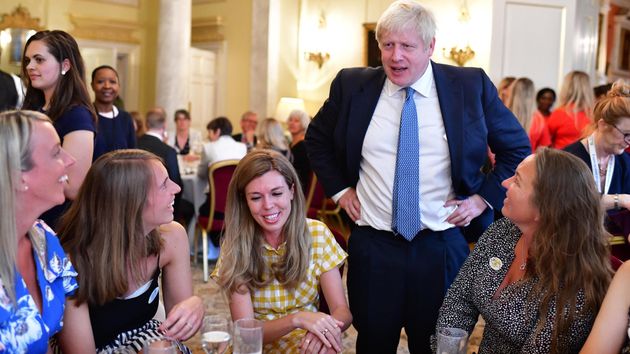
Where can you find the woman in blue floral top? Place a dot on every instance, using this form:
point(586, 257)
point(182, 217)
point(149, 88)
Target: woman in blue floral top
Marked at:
point(36, 276)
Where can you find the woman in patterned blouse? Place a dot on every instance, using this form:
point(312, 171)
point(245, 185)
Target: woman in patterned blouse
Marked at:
point(550, 252)
point(273, 260)
point(36, 276)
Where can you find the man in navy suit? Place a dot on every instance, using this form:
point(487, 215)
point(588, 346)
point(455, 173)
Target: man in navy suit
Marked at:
point(399, 282)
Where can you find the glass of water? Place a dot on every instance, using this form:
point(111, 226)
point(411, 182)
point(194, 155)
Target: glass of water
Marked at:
point(451, 341)
point(215, 334)
point(248, 335)
point(160, 346)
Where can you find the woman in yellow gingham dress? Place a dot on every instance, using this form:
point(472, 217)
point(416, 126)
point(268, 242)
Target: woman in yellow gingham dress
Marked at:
point(273, 260)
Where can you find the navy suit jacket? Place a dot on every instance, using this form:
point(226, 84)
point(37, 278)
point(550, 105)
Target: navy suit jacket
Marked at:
point(167, 154)
point(474, 118)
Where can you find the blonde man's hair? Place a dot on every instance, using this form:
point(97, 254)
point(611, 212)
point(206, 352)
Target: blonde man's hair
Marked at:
point(406, 15)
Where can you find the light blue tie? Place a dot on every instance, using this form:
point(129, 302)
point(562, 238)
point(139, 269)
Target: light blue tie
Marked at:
point(406, 198)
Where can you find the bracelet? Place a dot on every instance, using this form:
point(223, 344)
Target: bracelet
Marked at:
point(616, 201)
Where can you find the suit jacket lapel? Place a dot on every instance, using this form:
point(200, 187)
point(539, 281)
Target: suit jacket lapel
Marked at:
point(362, 105)
point(451, 97)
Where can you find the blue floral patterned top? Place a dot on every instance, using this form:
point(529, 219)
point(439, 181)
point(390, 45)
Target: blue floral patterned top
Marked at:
point(25, 330)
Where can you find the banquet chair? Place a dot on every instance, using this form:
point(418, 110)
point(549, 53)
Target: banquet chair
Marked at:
point(341, 240)
point(219, 177)
point(319, 206)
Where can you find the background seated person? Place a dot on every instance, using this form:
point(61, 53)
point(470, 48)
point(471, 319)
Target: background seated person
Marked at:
point(249, 121)
point(186, 141)
point(271, 136)
point(273, 260)
point(221, 147)
point(603, 149)
point(297, 124)
point(550, 252)
point(121, 236)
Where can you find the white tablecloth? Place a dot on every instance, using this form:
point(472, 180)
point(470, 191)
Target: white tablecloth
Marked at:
point(194, 191)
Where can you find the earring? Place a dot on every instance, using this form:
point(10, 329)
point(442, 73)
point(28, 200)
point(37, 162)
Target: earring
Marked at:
point(63, 72)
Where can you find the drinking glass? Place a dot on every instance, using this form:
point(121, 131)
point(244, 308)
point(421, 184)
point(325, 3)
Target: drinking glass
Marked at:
point(248, 335)
point(451, 341)
point(160, 346)
point(215, 334)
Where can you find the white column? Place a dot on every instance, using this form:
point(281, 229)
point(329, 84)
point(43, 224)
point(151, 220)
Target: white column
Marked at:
point(259, 66)
point(173, 57)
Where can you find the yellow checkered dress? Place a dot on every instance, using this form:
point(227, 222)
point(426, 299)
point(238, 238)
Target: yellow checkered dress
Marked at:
point(274, 301)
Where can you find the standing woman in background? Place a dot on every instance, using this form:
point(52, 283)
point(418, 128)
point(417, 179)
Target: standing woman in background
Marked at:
point(521, 103)
point(567, 122)
point(545, 98)
point(504, 88)
point(115, 126)
point(54, 76)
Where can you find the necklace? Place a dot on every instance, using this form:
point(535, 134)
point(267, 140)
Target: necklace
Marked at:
point(524, 264)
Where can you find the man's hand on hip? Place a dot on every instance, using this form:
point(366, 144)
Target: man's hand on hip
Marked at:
point(350, 203)
point(467, 209)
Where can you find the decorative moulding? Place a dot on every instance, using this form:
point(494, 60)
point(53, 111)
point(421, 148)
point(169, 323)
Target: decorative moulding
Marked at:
point(20, 18)
point(104, 29)
point(132, 3)
point(195, 2)
point(207, 29)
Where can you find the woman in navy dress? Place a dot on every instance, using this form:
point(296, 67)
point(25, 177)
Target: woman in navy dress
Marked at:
point(54, 76)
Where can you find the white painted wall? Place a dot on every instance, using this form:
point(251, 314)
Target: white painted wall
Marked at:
point(543, 39)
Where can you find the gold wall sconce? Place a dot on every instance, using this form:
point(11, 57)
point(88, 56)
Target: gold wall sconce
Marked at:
point(317, 55)
point(459, 56)
point(15, 29)
point(319, 58)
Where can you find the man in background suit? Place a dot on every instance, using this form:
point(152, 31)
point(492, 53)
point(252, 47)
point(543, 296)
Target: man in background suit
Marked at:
point(404, 256)
point(153, 141)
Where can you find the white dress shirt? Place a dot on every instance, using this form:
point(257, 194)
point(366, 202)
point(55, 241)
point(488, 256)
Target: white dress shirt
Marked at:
point(378, 157)
point(224, 148)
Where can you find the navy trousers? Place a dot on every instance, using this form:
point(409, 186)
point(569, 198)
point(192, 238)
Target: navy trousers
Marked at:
point(395, 284)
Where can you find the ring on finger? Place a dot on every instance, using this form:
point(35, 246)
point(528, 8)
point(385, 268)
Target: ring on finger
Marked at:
point(325, 331)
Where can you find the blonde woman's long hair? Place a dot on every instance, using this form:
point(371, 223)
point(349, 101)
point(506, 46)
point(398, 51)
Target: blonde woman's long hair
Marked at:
point(16, 129)
point(576, 93)
point(570, 251)
point(243, 266)
point(103, 231)
point(271, 136)
point(522, 101)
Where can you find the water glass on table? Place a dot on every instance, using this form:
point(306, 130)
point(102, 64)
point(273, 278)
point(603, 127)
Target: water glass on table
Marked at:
point(159, 346)
point(248, 336)
point(451, 341)
point(215, 334)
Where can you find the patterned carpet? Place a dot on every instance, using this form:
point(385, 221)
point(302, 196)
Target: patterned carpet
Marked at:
point(216, 303)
